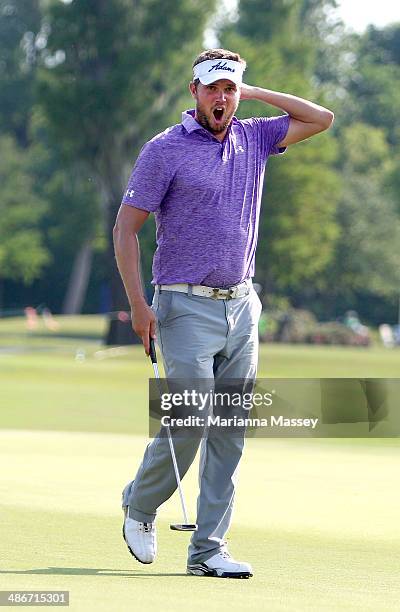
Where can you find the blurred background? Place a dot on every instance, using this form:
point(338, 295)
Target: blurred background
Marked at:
point(84, 83)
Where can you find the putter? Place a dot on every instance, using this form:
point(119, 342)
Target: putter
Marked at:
point(186, 526)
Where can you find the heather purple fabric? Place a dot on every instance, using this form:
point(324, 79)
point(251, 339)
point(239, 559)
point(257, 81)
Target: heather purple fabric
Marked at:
point(206, 197)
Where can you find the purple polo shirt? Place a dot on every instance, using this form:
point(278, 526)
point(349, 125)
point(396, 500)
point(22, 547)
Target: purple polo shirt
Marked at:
point(206, 197)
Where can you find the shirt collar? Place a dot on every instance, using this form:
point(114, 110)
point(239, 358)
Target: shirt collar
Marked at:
point(190, 124)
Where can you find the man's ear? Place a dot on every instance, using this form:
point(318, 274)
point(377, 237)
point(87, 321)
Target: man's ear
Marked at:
point(193, 89)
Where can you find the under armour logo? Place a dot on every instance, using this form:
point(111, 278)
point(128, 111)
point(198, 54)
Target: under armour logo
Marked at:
point(129, 193)
point(240, 149)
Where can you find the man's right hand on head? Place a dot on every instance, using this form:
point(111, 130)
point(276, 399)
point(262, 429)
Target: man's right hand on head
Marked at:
point(144, 323)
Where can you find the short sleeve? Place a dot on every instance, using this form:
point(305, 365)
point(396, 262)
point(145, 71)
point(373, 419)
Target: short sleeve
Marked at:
point(277, 128)
point(272, 130)
point(149, 180)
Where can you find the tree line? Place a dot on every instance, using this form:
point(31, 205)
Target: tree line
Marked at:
point(84, 83)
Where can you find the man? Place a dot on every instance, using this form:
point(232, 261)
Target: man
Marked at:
point(203, 181)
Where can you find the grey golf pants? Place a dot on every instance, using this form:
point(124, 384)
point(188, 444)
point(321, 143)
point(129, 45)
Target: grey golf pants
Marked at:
point(203, 338)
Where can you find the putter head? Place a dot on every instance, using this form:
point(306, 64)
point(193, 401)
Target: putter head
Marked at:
point(184, 527)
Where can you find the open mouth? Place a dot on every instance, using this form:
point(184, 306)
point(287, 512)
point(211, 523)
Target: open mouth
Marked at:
point(218, 113)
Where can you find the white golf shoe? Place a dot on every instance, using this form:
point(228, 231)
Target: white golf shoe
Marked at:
point(140, 538)
point(221, 565)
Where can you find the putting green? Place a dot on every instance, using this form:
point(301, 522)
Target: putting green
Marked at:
point(318, 520)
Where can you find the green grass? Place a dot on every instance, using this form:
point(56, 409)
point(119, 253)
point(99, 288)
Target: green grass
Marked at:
point(66, 380)
point(318, 519)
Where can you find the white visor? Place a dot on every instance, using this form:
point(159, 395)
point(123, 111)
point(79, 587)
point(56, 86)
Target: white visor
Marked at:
point(213, 70)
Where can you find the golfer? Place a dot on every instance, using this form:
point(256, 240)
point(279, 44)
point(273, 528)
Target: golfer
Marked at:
point(203, 181)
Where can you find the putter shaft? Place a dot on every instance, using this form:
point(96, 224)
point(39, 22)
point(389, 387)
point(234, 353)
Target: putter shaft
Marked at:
point(186, 526)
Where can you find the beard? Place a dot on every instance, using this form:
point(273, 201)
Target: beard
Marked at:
point(204, 119)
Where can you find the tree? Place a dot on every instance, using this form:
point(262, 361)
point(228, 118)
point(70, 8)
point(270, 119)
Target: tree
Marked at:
point(376, 78)
point(71, 219)
point(110, 77)
point(19, 26)
point(365, 266)
point(22, 253)
point(366, 258)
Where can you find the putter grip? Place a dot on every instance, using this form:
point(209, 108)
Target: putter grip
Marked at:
point(152, 353)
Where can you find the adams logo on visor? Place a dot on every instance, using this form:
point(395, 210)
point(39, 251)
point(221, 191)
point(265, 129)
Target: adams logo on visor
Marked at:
point(221, 66)
point(212, 70)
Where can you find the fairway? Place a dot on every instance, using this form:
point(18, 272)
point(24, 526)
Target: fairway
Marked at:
point(317, 519)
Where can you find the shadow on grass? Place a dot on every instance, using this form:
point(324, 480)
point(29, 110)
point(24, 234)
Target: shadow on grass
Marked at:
point(88, 571)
